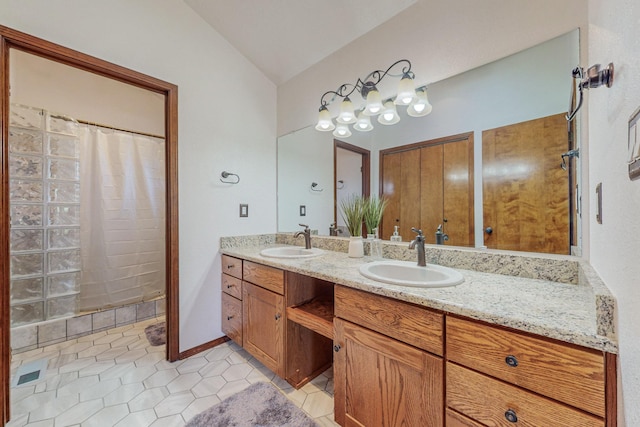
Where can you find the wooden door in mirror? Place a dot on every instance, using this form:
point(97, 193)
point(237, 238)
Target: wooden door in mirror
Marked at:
point(525, 191)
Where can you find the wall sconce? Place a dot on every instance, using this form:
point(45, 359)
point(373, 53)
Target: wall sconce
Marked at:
point(415, 100)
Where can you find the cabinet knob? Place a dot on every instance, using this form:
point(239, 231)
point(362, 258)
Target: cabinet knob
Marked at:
point(488, 230)
point(511, 416)
point(229, 317)
point(278, 316)
point(336, 348)
point(511, 361)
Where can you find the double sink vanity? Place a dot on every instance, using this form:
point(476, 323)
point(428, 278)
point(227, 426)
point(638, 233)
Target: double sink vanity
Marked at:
point(494, 339)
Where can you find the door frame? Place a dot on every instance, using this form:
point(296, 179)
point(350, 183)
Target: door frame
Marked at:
point(366, 171)
point(10, 38)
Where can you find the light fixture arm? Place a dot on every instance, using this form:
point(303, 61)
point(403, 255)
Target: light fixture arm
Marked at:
point(363, 86)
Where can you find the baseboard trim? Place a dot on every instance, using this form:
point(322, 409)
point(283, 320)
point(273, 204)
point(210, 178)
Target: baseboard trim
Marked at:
point(202, 347)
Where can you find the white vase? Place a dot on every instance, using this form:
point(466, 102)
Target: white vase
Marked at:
point(356, 247)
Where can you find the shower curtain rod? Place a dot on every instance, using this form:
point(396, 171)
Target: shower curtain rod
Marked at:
point(85, 122)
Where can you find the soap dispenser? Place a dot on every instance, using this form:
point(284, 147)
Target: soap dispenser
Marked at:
point(395, 237)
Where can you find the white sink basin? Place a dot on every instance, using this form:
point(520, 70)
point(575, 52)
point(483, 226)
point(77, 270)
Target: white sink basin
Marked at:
point(406, 273)
point(291, 252)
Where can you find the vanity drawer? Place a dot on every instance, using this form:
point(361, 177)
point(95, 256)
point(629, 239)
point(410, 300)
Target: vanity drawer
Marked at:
point(454, 419)
point(405, 322)
point(232, 266)
point(232, 286)
point(264, 276)
point(494, 403)
point(232, 318)
point(563, 372)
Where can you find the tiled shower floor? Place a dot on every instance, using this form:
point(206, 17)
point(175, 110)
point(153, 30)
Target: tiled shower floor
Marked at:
point(115, 378)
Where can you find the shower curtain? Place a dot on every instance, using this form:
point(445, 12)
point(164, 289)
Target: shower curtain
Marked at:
point(122, 218)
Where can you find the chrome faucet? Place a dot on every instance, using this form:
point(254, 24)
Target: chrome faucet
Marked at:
point(419, 242)
point(334, 230)
point(307, 235)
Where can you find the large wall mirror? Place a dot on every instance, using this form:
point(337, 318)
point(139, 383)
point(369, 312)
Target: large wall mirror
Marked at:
point(507, 119)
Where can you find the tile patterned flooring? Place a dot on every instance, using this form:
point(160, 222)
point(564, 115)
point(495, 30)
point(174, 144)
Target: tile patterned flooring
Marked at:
point(116, 378)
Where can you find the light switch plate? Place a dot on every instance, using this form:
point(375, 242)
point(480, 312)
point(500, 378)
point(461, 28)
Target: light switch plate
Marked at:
point(244, 210)
point(303, 210)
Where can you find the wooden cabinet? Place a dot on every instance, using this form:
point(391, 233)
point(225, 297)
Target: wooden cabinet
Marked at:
point(397, 363)
point(263, 314)
point(263, 329)
point(257, 301)
point(497, 376)
point(232, 298)
point(380, 380)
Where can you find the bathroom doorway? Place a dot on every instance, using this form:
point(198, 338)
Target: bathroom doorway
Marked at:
point(11, 40)
point(351, 175)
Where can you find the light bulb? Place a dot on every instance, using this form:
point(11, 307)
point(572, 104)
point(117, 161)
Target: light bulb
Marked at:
point(420, 106)
point(363, 124)
point(342, 131)
point(324, 120)
point(374, 102)
point(389, 116)
point(406, 92)
point(346, 115)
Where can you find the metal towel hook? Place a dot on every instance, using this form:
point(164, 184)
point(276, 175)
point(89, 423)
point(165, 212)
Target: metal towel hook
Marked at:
point(571, 153)
point(595, 77)
point(226, 174)
point(314, 185)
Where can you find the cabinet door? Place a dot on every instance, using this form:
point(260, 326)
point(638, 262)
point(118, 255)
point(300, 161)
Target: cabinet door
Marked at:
point(400, 180)
point(383, 382)
point(263, 330)
point(232, 318)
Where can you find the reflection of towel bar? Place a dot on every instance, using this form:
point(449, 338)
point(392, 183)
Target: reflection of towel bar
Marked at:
point(340, 185)
point(226, 174)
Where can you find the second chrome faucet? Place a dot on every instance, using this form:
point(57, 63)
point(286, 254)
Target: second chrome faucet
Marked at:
point(307, 235)
point(418, 243)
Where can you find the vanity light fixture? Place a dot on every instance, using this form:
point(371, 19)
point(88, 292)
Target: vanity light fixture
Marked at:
point(407, 95)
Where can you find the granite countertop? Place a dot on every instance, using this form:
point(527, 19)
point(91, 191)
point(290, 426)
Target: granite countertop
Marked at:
point(563, 311)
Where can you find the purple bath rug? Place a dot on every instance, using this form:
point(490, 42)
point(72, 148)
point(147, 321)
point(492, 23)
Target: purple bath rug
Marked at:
point(260, 404)
point(156, 334)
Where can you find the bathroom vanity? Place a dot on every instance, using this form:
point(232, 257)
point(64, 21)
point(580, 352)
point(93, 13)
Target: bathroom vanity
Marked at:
point(494, 350)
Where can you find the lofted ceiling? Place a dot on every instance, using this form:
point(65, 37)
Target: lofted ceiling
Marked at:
point(285, 37)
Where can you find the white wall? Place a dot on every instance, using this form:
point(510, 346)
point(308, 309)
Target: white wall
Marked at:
point(614, 36)
point(441, 39)
point(227, 121)
point(59, 88)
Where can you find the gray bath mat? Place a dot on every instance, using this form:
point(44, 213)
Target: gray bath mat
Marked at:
point(259, 405)
point(156, 334)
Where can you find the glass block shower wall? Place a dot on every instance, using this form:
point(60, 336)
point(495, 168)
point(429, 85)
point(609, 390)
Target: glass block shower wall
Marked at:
point(44, 173)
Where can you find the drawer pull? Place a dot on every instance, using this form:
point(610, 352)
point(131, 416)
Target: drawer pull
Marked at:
point(511, 416)
point(278, 316)
point(511, 361)
point(230, 286)
point(230, 266)
point(229, 317)
point(336, 348)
